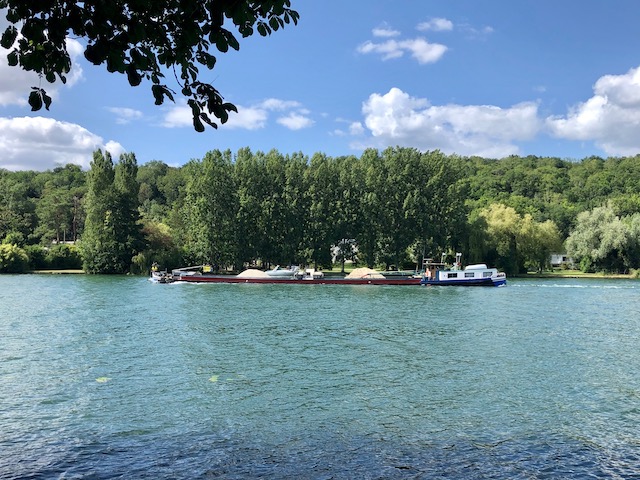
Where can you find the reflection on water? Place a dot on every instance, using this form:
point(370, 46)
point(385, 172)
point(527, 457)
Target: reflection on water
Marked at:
point(115, 377)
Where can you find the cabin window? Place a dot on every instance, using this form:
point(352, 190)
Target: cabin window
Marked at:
point(486, 274)
point(452, 275)
point(469, 275)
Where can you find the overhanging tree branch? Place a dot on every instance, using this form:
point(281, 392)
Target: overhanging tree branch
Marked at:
point(139, 38)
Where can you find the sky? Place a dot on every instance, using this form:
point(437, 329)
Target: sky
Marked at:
point(489, 78)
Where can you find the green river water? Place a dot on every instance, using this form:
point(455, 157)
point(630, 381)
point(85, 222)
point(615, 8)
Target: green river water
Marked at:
point(116, 377)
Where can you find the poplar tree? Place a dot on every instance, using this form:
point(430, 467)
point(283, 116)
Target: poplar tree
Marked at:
point(211, 208)
point(98, 245)
point(128, 231)
point(111, 234)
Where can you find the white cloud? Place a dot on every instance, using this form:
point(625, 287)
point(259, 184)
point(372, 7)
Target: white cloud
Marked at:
point(436, 25)
point(419, 48)
point(610, 118)
point(295, 121)
point(356, 129)
point(396, 118)
point(125, 115)
point(475, 32)
point(248, 118)
point(114, 148)
point(385, 32)
point(178, 115)
point(16, 83)
point(38, 143)
point(278, 105)
point(423, 51)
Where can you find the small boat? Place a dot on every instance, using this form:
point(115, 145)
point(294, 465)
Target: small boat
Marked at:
point(161, 276)
point(470, 276)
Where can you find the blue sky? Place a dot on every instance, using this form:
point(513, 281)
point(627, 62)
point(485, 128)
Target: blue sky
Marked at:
point(493, 78)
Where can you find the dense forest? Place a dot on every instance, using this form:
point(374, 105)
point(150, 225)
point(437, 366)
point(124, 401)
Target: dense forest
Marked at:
point(381, 209)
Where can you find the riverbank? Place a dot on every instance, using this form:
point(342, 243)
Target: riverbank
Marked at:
point(59, 272)
point(575, 274)
point(554, 274)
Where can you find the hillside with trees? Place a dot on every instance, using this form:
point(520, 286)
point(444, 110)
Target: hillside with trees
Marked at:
point(381, 209)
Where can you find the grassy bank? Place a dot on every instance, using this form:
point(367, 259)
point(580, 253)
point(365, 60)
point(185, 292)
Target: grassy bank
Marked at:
point(574, 274)
point(53, 272)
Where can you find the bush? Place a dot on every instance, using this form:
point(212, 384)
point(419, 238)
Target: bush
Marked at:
point(64, 257)
point(139, 264)
point(586, 265)
point(14, 238)
point(13, 259)
point(37, 257)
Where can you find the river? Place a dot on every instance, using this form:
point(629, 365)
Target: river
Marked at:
point(115, 377)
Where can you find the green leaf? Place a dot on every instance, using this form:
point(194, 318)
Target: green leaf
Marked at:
point(221, 44)
point(35, 100)
point(230, 107)
point(206, 119)
point(232, 41)
point(12, 59)
point(46, 99)
point(263, 30)
point(9, 37)
point(158, 94)
point(197, 124)
point(133, 76)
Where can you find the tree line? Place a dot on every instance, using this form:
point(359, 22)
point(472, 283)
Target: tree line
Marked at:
point(381, 209)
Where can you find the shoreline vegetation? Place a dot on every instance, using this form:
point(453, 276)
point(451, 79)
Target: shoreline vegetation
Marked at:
point(382, 208)
point(558, 273)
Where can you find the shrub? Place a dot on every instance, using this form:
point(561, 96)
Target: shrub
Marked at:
point(63, 256)
point(13, 259)
point(37, 257)
point(14, 238)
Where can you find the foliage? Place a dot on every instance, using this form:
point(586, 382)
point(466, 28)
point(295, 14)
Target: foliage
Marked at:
point(393, 206)
point(14, 238)
point(210, 210)
point(604, 241)
point(160, 247)
point(518, 240)
point(13, 259)
point(37, 257)
point(112, 235)
point(142, 39)
point(63, 257)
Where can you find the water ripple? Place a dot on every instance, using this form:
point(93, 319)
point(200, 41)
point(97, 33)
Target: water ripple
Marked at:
point(114, 377)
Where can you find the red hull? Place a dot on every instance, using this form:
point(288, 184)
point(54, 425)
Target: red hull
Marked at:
point(292, 281)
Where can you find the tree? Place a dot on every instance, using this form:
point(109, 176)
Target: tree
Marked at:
point(537, 241)
point(250, 179)
point(321, 180)
point(436, 204)
point(139, 38)
point(126, 212)
point(211, 210)
point(370, 207)
point(13, 259)
point(98, 244)
point(602, 241)
point(55, 214)
point(112, 235)
point(397, 190)
point(17, 209)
